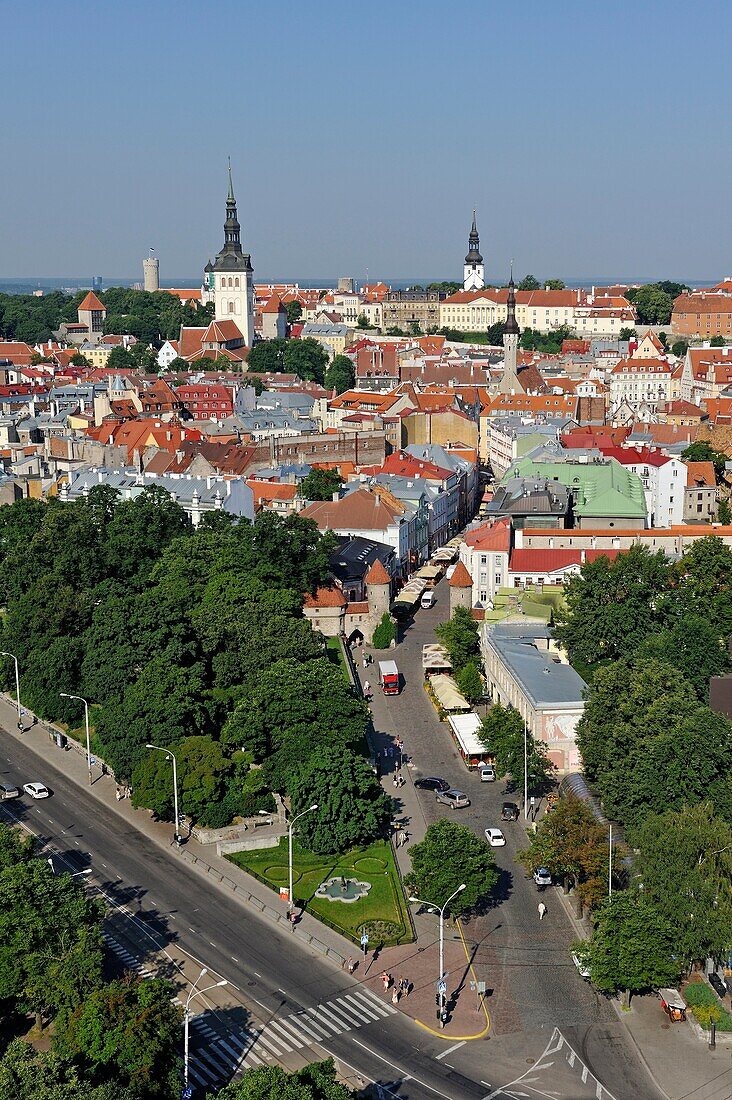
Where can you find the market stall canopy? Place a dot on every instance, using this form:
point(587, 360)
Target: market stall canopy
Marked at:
point(447, 694)
point(435, 658)
point(466, 728)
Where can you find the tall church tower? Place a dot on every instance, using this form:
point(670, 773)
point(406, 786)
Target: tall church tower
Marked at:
point(473, 270)
point(232, 273)
point(510, 381)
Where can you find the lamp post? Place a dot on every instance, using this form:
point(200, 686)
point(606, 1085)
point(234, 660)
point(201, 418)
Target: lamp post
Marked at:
point(81, 699)
point(441, 980)
point(194, 993)
point(171, 756)
point(4, 653)
point(289, 830)
point(526, 774)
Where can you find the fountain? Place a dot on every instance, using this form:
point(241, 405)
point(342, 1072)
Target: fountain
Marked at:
point(341, 888)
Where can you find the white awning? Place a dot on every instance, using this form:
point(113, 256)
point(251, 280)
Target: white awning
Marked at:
point(447, 693)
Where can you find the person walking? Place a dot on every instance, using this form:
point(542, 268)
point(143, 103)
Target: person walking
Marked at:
point(395, 996)
point(366, 688)
point(350, 965)
point(542, 910)
point(386, 979)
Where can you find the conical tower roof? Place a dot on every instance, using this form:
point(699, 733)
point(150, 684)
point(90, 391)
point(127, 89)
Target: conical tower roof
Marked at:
point(461, 578)
point(377, 574)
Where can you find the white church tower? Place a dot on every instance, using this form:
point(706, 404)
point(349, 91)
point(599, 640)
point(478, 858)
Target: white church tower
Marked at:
point(232, 273)
point(473, 270)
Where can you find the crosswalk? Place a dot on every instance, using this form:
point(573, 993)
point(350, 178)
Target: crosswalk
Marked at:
point(218, 1055)
point(129, 960)
point(216, 1059)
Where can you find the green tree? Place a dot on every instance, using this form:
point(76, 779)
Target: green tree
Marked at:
point(702, 451)
point(632, 946)
point(340, 375)
point(128, 1030)
point(717, 342)
point(695, 646)
point(679, 348)
point(504, 735)
point(724, 512)
point(653, 305)
point(293, 310)
point(555, 284)
point(449, 856)
point(470, 683)
point(529, 282)
point(306, 358)
point(267, 357)
point(496, 333)
point(628, 334)
point(320, 484)
point(203, 769)
point(120, 359)
point(574, 846)
point(50, 946)
point(385, 632)
point(362, 321)
point(317, 1081)
point(352, 808)
point(685, 865)
point(611, 606)
point(460, 637)
point(26, 1074)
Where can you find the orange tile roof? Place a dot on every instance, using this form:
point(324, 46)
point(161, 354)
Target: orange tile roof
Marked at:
point(461, 577)
point(701, 474)
point(325, 596)
point(377, 574)
point(91, 302)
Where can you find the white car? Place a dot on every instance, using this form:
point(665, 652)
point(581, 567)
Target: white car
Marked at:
point(36, 790)
point(487, 773)
point(495, 838)
point(582, 968)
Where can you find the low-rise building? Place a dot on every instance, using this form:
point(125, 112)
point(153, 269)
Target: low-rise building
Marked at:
point(523, 669)
point(701, 496)
point(704, 313)
point(405, 309)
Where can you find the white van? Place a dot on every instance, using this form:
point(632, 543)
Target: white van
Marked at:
point(428, 599)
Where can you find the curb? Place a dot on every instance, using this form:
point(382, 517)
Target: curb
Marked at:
point(462, 1038)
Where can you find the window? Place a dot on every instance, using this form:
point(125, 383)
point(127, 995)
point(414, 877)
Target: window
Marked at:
point(698, 507)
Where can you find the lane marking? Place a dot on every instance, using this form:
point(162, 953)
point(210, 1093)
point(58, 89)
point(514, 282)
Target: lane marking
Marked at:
point(455, 1046)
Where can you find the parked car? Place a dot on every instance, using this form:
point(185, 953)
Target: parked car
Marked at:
point(7, 790)
point(718, 984)
point(509, 811)
point(36, 790)
point(432, 783)
point(487, 773)
point(495, 838)
point(542, 877)
point(456, 800)
point(582, 968)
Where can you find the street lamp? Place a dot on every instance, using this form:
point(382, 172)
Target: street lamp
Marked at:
point(441, 990)
point(74, 874)
point(194, 993)
point(81, 699)
point(171, 756)
point(3, 653)
point(290, 827)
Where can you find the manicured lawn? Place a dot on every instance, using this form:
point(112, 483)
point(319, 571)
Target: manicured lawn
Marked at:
point(382, 912)
point(335, 654)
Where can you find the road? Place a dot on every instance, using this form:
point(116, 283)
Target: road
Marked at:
point(526, 963)
point(289, 1005)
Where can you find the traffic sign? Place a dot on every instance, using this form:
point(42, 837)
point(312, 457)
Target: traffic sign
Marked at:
point(187, 1093)
point(364, 939)
point(442, 987)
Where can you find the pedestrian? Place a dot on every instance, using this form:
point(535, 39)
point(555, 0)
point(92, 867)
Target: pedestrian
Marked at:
point(118, 793)
point(402, 985)
point(293, 920)
point(386, 979)
point(395, 996)
point(395, 781)
point(542, 910)
point(366, 688)
point(386, 752)
point(351, 965)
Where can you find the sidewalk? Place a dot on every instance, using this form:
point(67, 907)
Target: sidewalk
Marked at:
point(418, 963)
point(680, 1064)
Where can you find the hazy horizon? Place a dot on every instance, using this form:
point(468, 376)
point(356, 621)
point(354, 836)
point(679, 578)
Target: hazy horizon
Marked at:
point(361, 140)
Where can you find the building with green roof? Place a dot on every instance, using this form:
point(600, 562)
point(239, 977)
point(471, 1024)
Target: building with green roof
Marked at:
point(604, 493)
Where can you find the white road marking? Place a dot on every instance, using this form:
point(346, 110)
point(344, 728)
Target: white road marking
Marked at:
point(455, 1046)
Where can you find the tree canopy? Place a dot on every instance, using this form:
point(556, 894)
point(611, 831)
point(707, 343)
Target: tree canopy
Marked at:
point(503, 733)
point(316, 1081)
point(320, 484)
point(450, 855)
point(459, 635)
point(632, 946)
point(340, 375)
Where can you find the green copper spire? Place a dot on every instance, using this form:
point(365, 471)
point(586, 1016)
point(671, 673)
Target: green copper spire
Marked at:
point(230, 196)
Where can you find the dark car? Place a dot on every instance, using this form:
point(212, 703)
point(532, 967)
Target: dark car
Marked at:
point(432, 783)
point(718, 984)
point(509, 811)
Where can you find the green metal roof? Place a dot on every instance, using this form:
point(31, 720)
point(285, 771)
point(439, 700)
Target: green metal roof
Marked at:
point(599, 487)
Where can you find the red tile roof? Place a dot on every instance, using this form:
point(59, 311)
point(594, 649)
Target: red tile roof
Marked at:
point(377, 574)
point(91, 302)
point(325, 596)
point(461, 577)
point(701, 474)
point(555, 560)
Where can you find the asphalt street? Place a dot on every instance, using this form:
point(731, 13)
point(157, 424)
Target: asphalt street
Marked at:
point(284, 989)
point(526, 963)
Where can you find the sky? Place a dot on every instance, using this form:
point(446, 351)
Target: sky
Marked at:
point(593, 139)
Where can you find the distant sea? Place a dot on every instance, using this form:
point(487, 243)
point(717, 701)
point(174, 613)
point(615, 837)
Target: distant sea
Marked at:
point(71, 284)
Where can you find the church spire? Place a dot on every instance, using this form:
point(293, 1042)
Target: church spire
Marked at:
point(230, 196)
point(473, 270)
point(511, 325)
point(473, 257)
